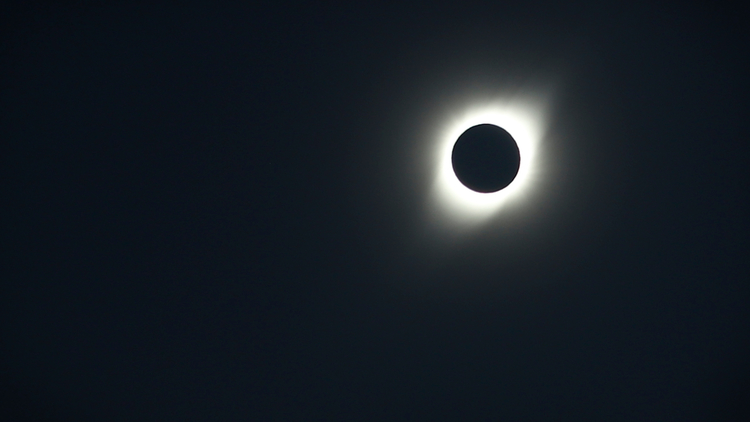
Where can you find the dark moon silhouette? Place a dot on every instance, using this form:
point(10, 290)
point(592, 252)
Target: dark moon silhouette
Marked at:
point(486, 158)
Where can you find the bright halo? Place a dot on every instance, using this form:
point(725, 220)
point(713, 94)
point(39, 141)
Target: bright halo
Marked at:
point(524, 123)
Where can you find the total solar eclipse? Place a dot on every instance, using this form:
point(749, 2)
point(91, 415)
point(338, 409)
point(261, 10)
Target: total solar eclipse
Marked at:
point(486, 158)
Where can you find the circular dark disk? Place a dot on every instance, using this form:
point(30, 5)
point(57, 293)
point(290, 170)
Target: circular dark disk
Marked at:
point(486, 158)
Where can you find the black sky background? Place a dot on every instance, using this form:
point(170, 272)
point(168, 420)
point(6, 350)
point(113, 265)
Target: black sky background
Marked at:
point(217, 213)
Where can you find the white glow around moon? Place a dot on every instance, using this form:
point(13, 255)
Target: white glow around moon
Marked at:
point(524, 121)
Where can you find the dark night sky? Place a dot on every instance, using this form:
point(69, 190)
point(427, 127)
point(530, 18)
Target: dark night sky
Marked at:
point(220, 213)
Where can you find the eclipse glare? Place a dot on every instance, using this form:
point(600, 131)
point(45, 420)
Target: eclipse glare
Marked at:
point(518, 122)
point(485, 158)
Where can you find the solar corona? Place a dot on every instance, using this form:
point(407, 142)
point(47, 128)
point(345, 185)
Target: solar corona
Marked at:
point(485, 159)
